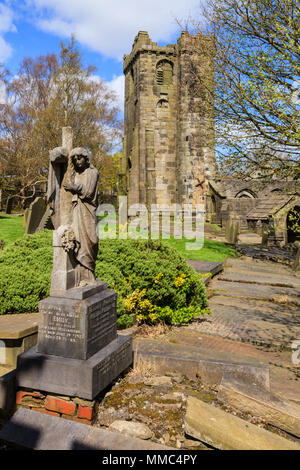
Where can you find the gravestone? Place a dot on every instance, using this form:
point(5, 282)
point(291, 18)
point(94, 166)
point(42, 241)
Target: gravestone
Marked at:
point(232, 231)
point(25, 217)
point(296, 265)
point(78, 352)
point(9, 205)
point(35, 214)
point(46, 221)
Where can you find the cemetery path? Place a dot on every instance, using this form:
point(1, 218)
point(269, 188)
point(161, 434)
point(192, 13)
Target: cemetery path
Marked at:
point(255, 319)
point(254, 301)
point(256, 313)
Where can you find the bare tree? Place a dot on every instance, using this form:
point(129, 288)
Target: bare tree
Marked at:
point(48, 93)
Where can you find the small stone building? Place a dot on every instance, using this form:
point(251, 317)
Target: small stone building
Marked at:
point(277, 219)
point(168, 151)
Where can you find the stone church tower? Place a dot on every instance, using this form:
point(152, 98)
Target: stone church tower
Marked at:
point(168, 151)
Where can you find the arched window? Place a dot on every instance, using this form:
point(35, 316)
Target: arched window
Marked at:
point(245, 193)
point(292, 224)
point(163, 104)
point(163, 109)
point(164, 73)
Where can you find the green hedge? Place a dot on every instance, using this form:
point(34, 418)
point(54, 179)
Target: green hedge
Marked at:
point(154, 283)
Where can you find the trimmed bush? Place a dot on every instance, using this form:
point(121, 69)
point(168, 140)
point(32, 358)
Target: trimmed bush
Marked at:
point(154, 283)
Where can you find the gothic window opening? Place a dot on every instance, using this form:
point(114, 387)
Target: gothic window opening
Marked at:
point(164, 73)
point(164, 104)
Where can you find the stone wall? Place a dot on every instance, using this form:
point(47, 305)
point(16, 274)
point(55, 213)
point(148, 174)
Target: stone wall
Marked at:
point(237, 208)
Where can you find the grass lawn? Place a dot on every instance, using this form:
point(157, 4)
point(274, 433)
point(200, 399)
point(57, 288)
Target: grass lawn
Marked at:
point(211, 251)
point(11, 228)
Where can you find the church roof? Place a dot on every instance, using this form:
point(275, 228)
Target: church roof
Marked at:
point(269, 206)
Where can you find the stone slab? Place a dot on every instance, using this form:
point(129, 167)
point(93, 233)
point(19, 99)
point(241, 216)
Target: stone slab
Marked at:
point(8, 387)
point(224, 431)
point(73, 377)
point(33, 430)
point(80, 293)
point(165, 357)
point(249, 398)
point(11, 348)
point(77, 328)
point(205, 267)
point(256, 291)
point(254, 278)
point(18, 326)
point(249, 320)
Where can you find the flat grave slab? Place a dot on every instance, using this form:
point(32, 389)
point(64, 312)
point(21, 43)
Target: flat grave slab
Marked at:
point(18, 333)
point(163, 357)
point(250, 398)
point(33, 430)
point(18, 325)
point(224, 431)
point(204, 267)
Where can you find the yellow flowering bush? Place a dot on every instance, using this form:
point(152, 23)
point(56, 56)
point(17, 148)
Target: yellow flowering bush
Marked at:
point(154, 283)
point(180, 280)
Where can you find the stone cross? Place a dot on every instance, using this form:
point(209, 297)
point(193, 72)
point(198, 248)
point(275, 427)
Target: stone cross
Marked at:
point(66, 196)
point(63, 270)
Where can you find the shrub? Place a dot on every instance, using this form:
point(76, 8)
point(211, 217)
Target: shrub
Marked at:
point(154, 283)
point(25, 270)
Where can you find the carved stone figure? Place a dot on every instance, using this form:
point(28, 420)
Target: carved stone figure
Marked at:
point(72, 197)
point(83, 187)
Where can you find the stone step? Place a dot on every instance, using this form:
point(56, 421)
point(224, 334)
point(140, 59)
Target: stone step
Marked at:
point(254, 291)
point(257, 307)
point(277, 278)
point(34, 430)
point(258, 278)
point(164, 357)
point(224, 431)
point(258, 266)
point(243, 324)
point(249, 398)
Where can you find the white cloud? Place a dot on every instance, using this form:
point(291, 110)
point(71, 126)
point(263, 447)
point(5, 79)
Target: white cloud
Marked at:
point(109, 27)
point(2, 92)
point(117, 85)
point(6, 25)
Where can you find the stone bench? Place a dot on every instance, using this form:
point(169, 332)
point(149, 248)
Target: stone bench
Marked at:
point(18, 333)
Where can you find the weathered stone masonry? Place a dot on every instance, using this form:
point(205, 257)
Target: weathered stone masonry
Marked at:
point(168, 153)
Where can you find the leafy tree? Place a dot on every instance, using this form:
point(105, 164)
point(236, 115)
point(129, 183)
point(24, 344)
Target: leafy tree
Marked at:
point(47, 94)
point(257, 83)
point(109, 173)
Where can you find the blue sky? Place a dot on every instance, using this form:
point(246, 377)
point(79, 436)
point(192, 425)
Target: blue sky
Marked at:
point(105, 29)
